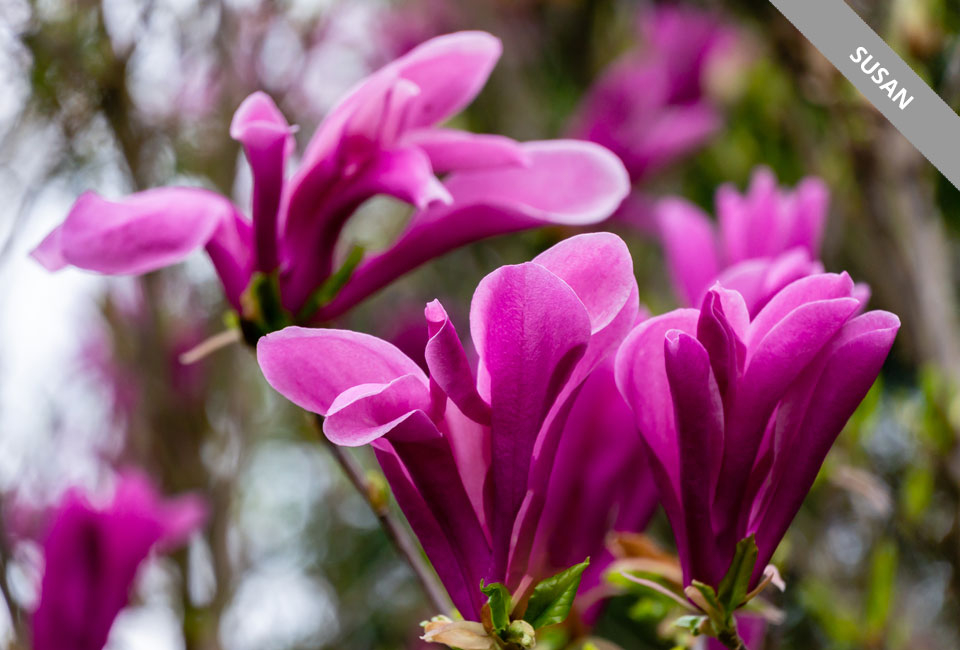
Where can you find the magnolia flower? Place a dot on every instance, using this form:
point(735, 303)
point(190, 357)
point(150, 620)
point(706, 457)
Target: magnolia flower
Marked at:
point(91, 556)
point(650, 107)
point(765, 239)
point(471, 459)
point(738, 413)
point(381, 139)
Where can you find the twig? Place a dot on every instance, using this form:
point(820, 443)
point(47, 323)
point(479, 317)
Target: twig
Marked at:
point(396, 533)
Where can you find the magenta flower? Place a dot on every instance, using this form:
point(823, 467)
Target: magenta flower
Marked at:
point(764, 240)
point(738, 413)
point(381, 139)
point(92, 554)
point(650, 107)
point(471, 458)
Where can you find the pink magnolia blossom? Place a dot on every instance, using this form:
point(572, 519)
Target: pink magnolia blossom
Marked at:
point(91, 556)
point(498, 472)
point(651, 107)
point(738, 413)
point(382, 138)
point(764, 239)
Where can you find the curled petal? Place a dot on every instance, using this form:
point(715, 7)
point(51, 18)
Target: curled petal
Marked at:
point(365, 412)
point(311, 367)
point(449, 366)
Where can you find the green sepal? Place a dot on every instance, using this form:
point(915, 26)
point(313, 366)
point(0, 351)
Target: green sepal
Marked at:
point(331, 286)
point(734, 586)
point(552, 599)
point(709, 595)
point(499, 604)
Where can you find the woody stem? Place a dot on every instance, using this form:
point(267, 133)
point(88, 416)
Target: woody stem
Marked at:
point(396, 532)
point(730, 639)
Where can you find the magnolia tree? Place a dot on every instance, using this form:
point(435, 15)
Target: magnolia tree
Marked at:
point(528, 458)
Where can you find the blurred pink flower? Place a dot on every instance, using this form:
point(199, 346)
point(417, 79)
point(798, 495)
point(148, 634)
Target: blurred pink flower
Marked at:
point(381, 139)
point(764, 239)
point(91, 556)
point(488, 467)
point(650, 107)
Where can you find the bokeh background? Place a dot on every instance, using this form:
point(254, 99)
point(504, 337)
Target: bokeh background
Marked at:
point(119, 95)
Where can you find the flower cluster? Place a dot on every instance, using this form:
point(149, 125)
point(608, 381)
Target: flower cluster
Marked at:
point(574, 413)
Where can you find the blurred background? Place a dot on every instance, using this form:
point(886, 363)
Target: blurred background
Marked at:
point(120, 95)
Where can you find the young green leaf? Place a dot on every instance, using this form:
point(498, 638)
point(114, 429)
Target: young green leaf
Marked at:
point(734, 586)
point(499, 603)
point(552, 599)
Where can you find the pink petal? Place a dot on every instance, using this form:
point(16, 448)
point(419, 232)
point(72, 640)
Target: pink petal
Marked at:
point(311, 367)
point(49, 252)
point(452, 150)
point(363, 413)
point(690, 247)
point(449, 366)
point(642, 380)
point(141, 233)
point(567, 182)
point(267, 139)
point(449, 70)
point(698, 415)
point(530, 329)
point(812, 415)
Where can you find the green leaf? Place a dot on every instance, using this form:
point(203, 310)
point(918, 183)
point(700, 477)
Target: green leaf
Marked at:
point(734, 586)
point(552, 599)
point(692, 624)
point(499, 602)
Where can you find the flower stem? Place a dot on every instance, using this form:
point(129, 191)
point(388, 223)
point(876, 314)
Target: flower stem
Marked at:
point(730, 639)
point(396, 533)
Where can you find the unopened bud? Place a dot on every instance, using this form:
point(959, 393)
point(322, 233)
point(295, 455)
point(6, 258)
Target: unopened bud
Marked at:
point(521, 634)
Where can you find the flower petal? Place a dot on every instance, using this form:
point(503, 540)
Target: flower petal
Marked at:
point(449, 70)
point(267, 140)
point(698, 414)
point(140, 233)
point(363, 413)
point(689, 243)
point(567, 182)
point(530, 329)
point(452, 150)
point(311, 367)
point(449, 366)
point(812, 415)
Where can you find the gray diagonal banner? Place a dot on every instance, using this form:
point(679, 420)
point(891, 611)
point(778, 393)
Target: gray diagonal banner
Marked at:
point(883, 77)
